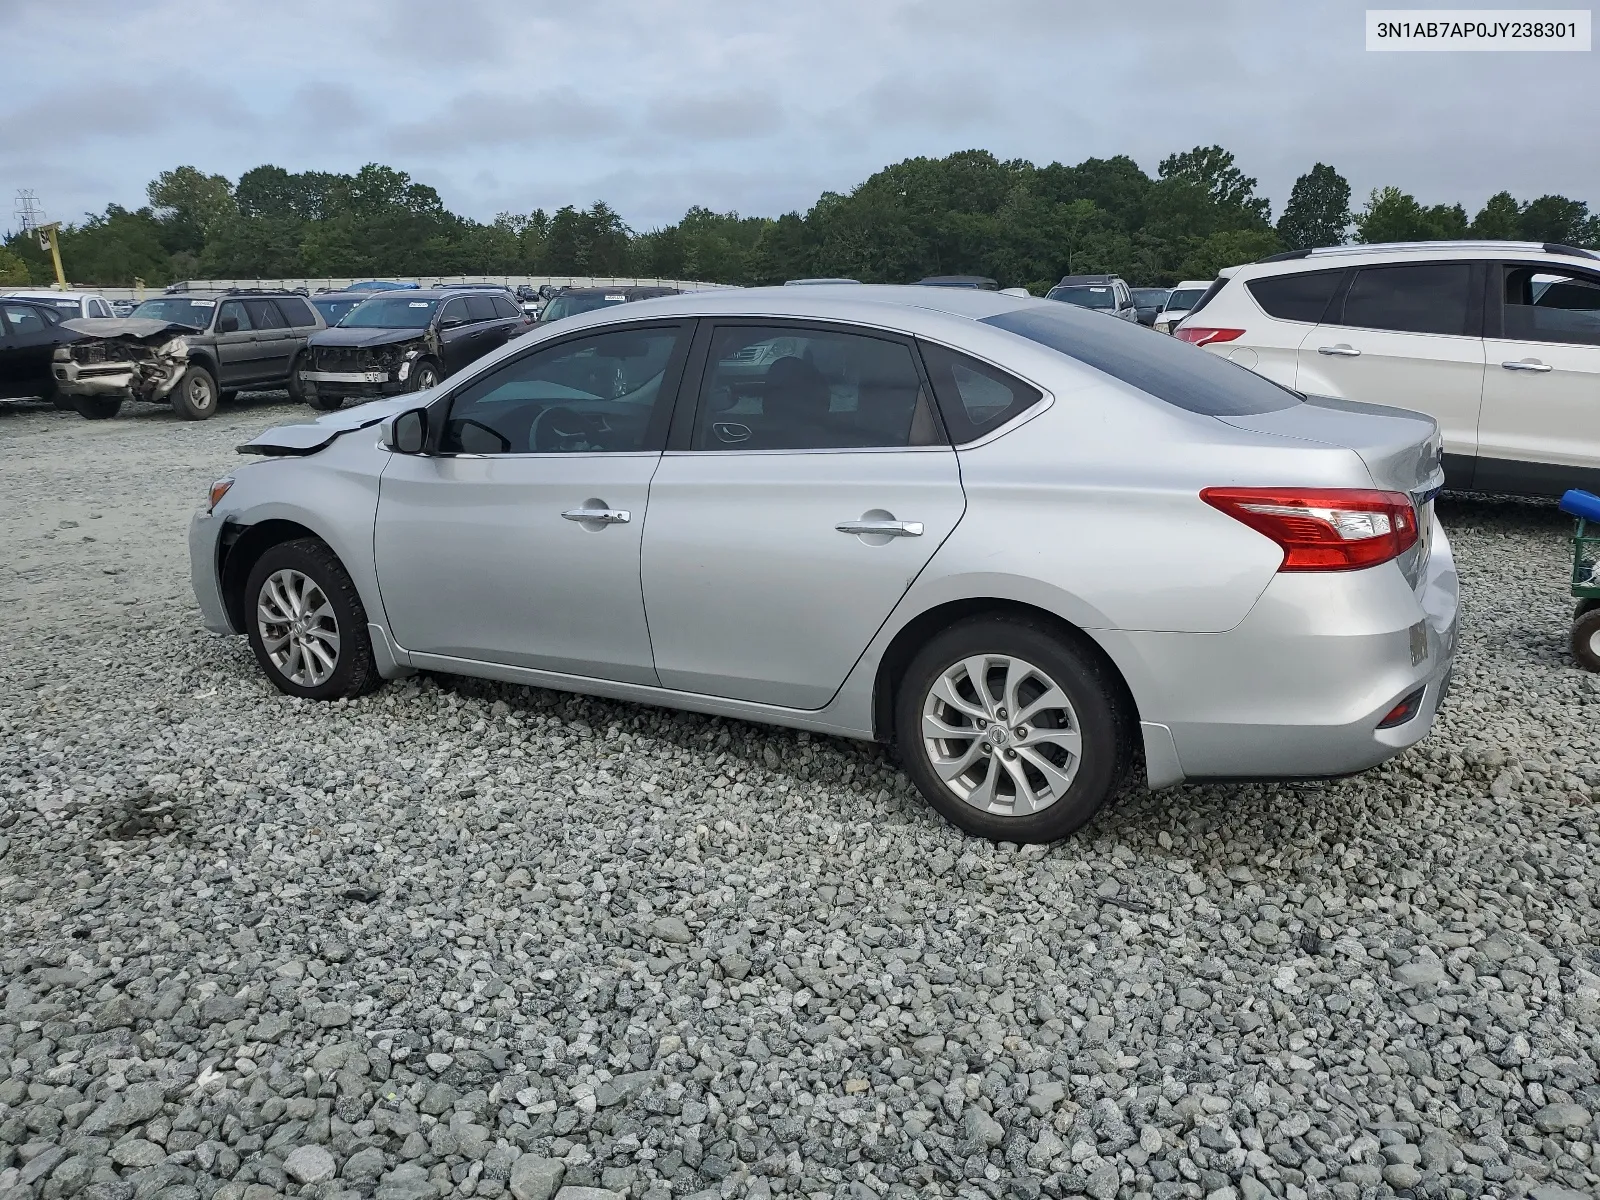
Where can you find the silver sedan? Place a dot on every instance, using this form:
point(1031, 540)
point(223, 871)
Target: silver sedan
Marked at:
point(1030, 544)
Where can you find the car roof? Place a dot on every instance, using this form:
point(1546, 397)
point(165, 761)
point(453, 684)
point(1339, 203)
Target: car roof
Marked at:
point(869, 303)
point(1191, 283)
point(44, 294)
point(1338, 256)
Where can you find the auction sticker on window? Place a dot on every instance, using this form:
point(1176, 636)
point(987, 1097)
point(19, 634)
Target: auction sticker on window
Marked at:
point(1478, 28)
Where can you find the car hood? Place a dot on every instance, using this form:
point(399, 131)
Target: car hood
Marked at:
point(133, 327)
point(364, 337)
point(310, 436)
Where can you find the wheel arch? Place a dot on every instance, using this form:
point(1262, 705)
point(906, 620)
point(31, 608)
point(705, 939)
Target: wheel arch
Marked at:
point(244, 549)
point(915, 633)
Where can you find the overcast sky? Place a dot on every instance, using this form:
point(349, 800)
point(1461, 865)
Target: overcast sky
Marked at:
point(747, 105)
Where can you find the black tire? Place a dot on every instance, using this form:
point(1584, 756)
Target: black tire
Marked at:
point(296, 389)
point(354, 671)
point(1584, 606)
point(324, 403)
point(61, 403)
point(195, 398)
point(229, 396)
point(1586, 640)
point(97, 408)
point(1097, 713)
point(425, 374)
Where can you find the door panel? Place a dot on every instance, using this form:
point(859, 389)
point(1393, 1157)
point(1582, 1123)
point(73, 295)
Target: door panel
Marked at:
point(752, 591)
point(236, 352)
point(275, 343)
point(476, 561)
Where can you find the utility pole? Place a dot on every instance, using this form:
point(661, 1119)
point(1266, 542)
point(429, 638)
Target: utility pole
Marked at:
point(32, 219)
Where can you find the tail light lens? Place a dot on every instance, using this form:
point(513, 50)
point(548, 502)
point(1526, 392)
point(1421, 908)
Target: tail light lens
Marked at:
point(1199, 335)
point(1324, 529)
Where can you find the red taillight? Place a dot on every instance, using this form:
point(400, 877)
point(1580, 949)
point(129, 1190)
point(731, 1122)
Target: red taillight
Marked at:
point(1200, 336)
point(1404, 711)
point(1324, 529)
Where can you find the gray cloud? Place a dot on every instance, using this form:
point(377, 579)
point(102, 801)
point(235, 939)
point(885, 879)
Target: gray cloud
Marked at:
point(759, 107)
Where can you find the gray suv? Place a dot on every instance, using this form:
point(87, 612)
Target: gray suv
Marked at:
point(1103, 293)
point(190, 348)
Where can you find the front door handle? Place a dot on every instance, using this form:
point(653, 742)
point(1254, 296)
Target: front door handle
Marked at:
point(1526, 364)
point(1342, 350)
point(599, 516)
point(882, 528)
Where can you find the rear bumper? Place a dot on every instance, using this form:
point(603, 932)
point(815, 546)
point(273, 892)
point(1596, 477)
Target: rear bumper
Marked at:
point(205, 565)
point(1298, 688)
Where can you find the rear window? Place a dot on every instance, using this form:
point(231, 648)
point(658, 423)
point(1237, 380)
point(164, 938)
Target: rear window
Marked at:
point(1183, 375)
point(1302, 296)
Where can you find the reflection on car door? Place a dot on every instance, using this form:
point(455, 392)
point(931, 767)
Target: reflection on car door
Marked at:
point(236, 350)
point(517, 540)
point(812, 487)
point(1540, 427)
point(1407, 335)
point(460, 336)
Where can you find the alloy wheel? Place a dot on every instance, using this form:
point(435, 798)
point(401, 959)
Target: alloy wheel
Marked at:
point(298, 628)
point(1001, 735)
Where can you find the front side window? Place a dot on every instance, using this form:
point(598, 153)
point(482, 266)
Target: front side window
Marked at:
point(608, 393)
point(24, 318)
point(1409, 298)
point(974, 397)
point(454, 312)
point(797, 388)
point(1544, 305)
point(234, 318)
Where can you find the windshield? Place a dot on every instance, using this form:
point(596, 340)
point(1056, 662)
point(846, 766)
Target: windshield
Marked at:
point(196, 314)
point(1084, 296)
point(1185, 298)
point(389, 312)
point(570, 304)
point(333, 309)
point(1150, 297)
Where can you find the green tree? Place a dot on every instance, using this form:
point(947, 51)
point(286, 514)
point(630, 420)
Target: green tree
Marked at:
point(1395, 216)
point(1212, 170)
point(1556, 219)
point(1229, 248)
point(190, 206)
point(13, 270)
point(1500, 218)
point(1318, 211)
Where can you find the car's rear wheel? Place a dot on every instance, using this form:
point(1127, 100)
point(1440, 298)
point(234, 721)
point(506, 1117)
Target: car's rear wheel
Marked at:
point(1010, 731)
point(425, 374)
point(97, 408)
point(195, 397)
point(307, 624)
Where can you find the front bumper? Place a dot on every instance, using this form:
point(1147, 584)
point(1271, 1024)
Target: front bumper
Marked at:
point(353, 385)
point(1298, 688)
point(205, 570)
point(123, 380)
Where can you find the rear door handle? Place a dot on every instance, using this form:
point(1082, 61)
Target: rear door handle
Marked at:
point(1342, 350)
point(1526, 364)
point(882, 528)
point(600, 516)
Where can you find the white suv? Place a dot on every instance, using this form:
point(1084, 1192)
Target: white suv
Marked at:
point(1498, 341)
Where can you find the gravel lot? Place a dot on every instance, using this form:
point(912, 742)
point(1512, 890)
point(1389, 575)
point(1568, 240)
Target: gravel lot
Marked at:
point(465, 939)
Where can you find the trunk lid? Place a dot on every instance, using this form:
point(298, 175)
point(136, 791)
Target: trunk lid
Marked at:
point(1402, 450)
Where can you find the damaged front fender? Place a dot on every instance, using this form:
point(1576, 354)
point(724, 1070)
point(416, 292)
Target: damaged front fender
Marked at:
point(128, 358)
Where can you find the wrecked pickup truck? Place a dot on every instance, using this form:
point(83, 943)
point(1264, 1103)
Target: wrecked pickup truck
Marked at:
point(404, 342)
point(117, 359)
point(190, 349)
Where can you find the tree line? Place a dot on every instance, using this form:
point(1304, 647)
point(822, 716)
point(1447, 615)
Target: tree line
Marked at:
point(967, 213)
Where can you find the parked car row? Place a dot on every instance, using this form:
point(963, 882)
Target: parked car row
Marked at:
point(921, 515)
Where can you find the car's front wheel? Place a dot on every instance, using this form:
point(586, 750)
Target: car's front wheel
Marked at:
point(97, 408)
point(1010, 730)
point(424, 375)
point(307, 624)
point(195, 397)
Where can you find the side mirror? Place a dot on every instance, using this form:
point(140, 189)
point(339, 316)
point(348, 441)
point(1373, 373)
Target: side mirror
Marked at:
point(228, 325)
point(407, 433)
point(451, 322)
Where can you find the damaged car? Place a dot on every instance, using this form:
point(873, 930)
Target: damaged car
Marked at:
point(405, 342)
point(189, 349)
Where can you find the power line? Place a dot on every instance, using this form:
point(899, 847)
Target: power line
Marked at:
point(27, 209)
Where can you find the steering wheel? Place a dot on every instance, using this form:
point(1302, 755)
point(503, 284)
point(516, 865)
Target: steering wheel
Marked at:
point(558, 429)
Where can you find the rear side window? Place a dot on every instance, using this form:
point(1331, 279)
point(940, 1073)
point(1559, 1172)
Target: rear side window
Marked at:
point(296, 311)
point(503, 307)
point(1302, 296)
point(1183, 375)
point(481, 308)
point(264, 314)
point(974, 397)
point(1409, 298)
